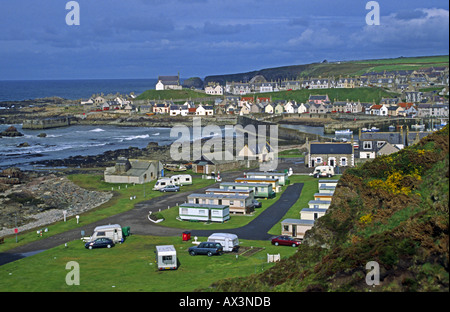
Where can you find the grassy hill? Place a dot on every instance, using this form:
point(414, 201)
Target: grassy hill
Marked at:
point(361, 94)
point(172, 95)
point(392, 210)
point(350, 68)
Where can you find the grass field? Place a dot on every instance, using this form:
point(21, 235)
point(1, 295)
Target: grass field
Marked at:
point(130, 266)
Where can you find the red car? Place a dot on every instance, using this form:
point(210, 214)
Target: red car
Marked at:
point(285, 240)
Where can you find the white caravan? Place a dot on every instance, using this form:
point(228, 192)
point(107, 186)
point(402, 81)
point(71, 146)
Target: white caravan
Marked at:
point(229, 242)
point(166, 257)
point(182, 179)
point(112, 231)
point(323, 171)
point(163, 182)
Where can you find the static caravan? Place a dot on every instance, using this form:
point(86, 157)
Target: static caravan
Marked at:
point(229, 242)
point(182, 179)
point(283, 178)
point(163, 182)
point(332, 183)
point(261, 190)
point(323, 189)
point(296, 228)
point(323, 196)
point(112, 231)
point(237, 203)
point(319, 204)
point(200, 212)
point(275, 184)
point(166, 257)
point(312, 213)
point(246, 192)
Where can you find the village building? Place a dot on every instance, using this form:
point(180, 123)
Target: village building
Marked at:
point(330, 153)
point(137, 171)
point(168, 83)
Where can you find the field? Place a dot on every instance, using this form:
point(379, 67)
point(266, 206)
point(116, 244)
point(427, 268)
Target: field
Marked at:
point(131, 267)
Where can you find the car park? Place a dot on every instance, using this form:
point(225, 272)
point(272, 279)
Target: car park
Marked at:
point(206, 248)
point(170, 188)
point(285, 240)
point(102, 242)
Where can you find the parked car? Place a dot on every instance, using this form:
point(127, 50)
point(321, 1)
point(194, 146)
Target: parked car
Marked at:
point(100, 243)
point(206, 248)
point(170, 188)
point(285, 241)
point(256, 204)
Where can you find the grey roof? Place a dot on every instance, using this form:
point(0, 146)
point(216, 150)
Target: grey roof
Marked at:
point(331, 148)
point(217, 196)
point(298, 221)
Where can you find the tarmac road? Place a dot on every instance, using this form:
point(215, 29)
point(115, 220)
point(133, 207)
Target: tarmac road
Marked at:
point(137, 219)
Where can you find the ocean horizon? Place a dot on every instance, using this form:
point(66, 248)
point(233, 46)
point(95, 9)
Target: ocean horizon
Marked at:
point(70, 89)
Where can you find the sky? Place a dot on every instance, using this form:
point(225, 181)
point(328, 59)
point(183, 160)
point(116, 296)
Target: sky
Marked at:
point(126, 39)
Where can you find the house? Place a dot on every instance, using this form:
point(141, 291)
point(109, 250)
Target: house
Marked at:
point(200, 212)
point(395, 111)
point(269, 109)
point(238, 203)
point(222, 191)
point(322, 204)
point(279, 109)
point(206, 110)
point(175, 110)
point(371, 142)
point(168, 83)
point(161, 108)
point(262, 152)
point(330, 153)
point(137, 171)
point(245, 109)
point(290, 108)
point(319, 99)
point(379, 110)
point(214, 89)
point(303, 108)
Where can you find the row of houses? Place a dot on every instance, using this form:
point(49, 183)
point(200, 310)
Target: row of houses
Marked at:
point(401, 80)
point(369, 145)
point(317, 207)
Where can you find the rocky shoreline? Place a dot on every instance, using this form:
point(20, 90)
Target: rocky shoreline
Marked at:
point(33, 199)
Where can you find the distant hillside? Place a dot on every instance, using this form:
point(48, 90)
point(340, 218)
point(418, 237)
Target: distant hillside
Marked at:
point(392, 210)
point(351, 68)
point(172, 95)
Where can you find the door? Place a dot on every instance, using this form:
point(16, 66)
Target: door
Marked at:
point(294, 230)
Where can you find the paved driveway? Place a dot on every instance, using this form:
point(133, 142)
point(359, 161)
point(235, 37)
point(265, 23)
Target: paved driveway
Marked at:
point(139, 223)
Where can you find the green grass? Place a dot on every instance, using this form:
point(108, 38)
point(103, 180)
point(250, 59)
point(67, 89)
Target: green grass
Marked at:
point(131, 267)
point(119, 203)
point(172, 95)
point(362, 94)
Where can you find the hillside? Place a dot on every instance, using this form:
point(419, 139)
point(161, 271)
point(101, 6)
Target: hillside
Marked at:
point(392, 210)
point(350, 68)
point(367, 94)
point(175, 95)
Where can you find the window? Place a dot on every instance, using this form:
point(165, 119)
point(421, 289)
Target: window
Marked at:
point(202, 211)
point(184, 210)
point(286, 228)
point(343, 161)
point(367, 145)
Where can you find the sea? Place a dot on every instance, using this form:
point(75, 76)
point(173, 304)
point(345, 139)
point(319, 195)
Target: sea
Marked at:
point(20, 90)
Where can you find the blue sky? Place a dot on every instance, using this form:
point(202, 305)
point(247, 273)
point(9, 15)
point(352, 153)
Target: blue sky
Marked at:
point(147, 38)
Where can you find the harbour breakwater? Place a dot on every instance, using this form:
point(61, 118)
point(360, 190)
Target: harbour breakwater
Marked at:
point(46, 123)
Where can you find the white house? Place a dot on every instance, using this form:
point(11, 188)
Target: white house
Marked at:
point(214, 90)
point(290, 108)
point(168, 83)
point(204, 110)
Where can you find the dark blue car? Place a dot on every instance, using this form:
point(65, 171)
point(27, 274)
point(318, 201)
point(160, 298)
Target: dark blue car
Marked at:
point(100, 243)
point(206, 248)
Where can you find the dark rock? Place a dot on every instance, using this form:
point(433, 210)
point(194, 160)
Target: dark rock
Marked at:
point(42, 135)
point(24, 144)
point(11, 132)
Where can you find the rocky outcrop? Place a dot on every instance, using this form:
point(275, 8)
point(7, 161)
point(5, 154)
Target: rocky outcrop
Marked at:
point(11, 132)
